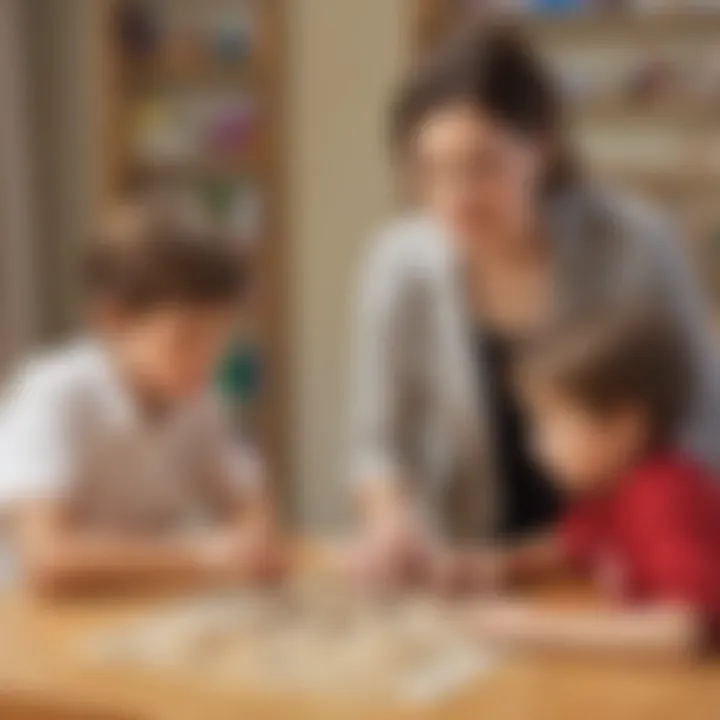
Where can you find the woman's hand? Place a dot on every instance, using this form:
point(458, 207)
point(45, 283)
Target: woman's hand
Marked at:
point(265, 558)
point(393, 549)
point(392, 554)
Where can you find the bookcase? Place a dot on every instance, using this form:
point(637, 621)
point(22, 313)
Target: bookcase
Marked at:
point(193, 110)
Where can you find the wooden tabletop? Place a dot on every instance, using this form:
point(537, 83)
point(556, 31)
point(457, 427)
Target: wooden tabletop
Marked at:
point(42, 677)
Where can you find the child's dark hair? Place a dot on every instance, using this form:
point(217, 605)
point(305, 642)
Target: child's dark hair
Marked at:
point(612, 359)
point(145, 257)
point(495, 69)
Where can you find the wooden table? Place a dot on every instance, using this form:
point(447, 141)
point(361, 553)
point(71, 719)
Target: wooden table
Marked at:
point(42, 677)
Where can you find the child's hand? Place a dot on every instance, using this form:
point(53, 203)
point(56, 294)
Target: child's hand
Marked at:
point(245, 554)
point(390, 553)
point(462, 570)
point(265, 558)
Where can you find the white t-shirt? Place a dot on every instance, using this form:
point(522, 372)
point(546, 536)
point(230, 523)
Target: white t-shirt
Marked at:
point(69, 429)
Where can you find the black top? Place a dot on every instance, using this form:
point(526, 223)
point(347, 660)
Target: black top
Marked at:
point(528, 500)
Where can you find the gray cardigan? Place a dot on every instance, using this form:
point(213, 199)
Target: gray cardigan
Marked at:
point(417, 410)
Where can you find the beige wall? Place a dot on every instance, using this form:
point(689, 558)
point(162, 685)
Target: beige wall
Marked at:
point(18, 321)
point(64, 62)
point(345, 55)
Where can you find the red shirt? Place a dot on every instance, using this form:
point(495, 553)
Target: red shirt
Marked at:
point(655, 537)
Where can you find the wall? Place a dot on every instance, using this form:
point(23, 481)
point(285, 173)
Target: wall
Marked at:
point(17, 230)
point(345, 55)
point(63, 63)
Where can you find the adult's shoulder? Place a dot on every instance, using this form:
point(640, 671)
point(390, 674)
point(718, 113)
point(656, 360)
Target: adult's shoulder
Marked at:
point(628, 214)
point(635, 240)
point(411, 250)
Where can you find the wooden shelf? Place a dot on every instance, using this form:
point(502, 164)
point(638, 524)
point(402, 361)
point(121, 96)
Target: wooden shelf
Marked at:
point(158, 76)
point(583, 27)
point(667, 181)
point(685, 114)
point(262, 76)
point(434, 18)
point(210, 167)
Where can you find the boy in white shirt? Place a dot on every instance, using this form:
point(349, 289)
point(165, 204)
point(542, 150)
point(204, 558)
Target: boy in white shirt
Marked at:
point(114, 456)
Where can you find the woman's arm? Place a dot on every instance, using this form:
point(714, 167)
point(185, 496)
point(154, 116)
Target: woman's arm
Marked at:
point(393, 538)
point(380, 383)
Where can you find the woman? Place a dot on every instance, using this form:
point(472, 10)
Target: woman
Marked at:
point(512, 237)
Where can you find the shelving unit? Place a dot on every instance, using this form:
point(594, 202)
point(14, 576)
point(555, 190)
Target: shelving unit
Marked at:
point(643, 90)
point(193, 108)
point(434, 18)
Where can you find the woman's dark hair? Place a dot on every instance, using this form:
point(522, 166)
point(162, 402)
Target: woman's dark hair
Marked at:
point(494, 68)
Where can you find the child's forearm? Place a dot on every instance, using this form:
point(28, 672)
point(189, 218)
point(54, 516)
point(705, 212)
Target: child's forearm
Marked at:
point(652, 633)
point(535, 557)
point(61, 559)
point(93, 562)
point(88, 562)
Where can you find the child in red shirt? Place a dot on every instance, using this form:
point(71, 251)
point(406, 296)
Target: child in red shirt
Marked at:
point(606, 399)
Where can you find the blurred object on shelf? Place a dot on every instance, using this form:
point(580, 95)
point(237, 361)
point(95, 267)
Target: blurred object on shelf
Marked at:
point(162, 134)
point(656, 80)
point(481, 7)
point(182, 49)
point(232, 40)
point(246, 217)
point(228, 125)
point(138, 32)
point(181, 42)
point(559, 6)
point(236, 207)
point(574, 8)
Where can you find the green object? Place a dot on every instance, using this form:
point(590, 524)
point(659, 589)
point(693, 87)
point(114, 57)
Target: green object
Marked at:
point(218, 196)
point(240, 374)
